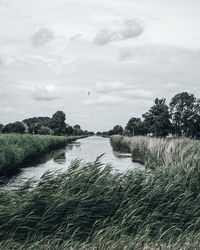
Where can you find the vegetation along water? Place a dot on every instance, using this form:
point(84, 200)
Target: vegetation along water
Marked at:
point(15, 149)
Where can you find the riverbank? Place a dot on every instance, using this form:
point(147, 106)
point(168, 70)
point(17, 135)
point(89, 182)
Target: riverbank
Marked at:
point(156, 152)
point(17, 149)
point(92, 207)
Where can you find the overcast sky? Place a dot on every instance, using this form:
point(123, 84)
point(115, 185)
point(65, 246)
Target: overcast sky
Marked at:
point(125, 52)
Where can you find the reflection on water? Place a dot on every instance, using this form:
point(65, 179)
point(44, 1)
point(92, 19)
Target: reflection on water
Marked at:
point(87, 149)
point(60, 159)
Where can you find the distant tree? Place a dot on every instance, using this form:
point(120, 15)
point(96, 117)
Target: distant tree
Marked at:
point(77, 130)
point(98, 133)
point(36, 123)
point(117, 130)
point(77, 126)
point(57, 123)
point(185, 112)
point(16, 127)
point(136, 126)
point(44, 131)
point(1, 127)
point(42, 121)
point(157, 119)
point(69, 130)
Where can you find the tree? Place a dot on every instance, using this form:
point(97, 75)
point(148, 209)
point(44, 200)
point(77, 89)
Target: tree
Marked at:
point(57, 123)
point(185, 112)
point(1, 127)
point(136, 126)
point(69, 130)
point(157, 119)
point(77, 130)
point(44, 131)
point(77, 126)
point(16, 127)
point(37, 124)
point(117, 130)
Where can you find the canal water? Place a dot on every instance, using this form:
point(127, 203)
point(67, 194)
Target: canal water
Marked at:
point(87, 149)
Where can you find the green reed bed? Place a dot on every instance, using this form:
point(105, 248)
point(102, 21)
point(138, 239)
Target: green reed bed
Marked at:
point(154, 152)
point(15, 149)
point(92, 207)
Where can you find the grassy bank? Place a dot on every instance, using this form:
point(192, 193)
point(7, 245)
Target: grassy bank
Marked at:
point(154, 152)
point(90, 207)
point(15, 149)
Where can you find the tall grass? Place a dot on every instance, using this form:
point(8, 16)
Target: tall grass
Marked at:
point(15, 149)
point(155, 152)
point(91, 207)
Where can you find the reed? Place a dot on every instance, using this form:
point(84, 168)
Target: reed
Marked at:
point(154, 152)
point(15, 149)
point(92, 207)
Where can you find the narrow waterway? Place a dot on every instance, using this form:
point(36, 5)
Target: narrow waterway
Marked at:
point(87, 149)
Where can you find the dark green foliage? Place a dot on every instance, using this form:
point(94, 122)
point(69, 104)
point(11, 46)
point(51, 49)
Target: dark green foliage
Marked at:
point(44, 131)
point(117, 130)
point(185, 112)
point(36, 125)
point(58, 123)
point(42, 121)
point(77, 130)
point(1, 127)
point(69, 130)
point(16, 127)
point(157, 119)
point(77, 126)
point(136, 126)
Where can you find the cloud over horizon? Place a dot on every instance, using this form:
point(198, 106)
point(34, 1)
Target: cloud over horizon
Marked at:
point(129, 29)
point(126, 53)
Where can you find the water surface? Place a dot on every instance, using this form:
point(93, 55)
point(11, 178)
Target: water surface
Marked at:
point(87, 149)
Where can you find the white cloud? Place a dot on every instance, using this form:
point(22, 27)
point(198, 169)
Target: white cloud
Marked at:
point(105, 87)
point(139, 94)
point(125, 53)
point(41, 37)
point(172, 85)
point(151, 59)
point(104, 36)
point(130, 29)
point(104, 100)
point(46, 93)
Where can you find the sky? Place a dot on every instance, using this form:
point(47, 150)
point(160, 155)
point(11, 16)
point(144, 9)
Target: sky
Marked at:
point(124, 52)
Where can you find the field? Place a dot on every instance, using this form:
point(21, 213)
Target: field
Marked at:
point(15, 149)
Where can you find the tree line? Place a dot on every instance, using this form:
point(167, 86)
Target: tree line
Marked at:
point(181, 118)
point(45, 126)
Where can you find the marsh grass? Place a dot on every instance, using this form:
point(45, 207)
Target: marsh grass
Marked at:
point(16, 149)
point(92, 207)
point(154, 152)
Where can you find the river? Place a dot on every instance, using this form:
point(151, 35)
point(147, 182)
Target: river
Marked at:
point(87, 149)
